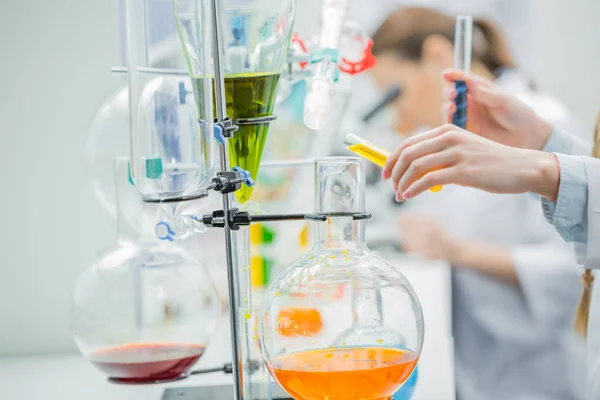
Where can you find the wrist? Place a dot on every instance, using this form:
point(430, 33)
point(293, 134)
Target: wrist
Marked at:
point(540, 133)
point(544, 176)
point(457, 250)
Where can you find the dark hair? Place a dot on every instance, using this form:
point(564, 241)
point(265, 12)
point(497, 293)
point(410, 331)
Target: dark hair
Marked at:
point(405, 31)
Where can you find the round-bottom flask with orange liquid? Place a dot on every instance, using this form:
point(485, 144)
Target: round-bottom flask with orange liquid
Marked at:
point(371, 324)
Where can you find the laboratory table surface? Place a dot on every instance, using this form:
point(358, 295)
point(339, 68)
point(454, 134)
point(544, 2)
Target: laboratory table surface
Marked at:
point(70, 377)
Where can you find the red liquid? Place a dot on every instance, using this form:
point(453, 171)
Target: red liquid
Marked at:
point(146, 362)
point(367, 373)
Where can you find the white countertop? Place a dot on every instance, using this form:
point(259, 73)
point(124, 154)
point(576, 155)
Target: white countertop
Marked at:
point(70, 377)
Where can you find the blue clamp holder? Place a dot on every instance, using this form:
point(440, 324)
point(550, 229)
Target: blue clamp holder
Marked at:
point(170, 232)
point(460, 115)
point(248, 181)
point(218, 133)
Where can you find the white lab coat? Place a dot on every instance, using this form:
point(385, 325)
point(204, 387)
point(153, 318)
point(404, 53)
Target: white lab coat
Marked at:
point(589, 255)
point(514, 343)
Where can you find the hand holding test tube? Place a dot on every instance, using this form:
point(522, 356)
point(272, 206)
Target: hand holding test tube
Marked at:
point(372, 153)
point(463, 44)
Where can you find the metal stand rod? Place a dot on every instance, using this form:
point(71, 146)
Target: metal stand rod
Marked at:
point(232, 278)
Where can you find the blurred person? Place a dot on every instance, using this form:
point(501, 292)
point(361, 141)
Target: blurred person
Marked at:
point(514, 286)
point(506, 158)
point(513, 16)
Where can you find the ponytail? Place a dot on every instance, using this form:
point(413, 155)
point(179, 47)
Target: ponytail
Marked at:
point(494, 52)
point(583, 310)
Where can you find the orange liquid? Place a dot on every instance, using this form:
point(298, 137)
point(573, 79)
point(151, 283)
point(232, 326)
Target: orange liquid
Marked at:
point(366, 373)
point(296, 321)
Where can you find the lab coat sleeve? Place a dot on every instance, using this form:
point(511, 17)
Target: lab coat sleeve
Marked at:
point(569, 213)
point(547, 277)
point(563, 142)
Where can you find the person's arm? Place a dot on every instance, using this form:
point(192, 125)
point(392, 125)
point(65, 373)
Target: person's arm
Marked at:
point(489, 259)
point(450, 155)
point(543, 272)
point(422, 235)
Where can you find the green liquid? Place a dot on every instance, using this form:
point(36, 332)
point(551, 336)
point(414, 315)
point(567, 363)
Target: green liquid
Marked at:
point(249, 95)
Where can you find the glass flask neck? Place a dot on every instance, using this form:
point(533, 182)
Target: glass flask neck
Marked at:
point(131, 218)
point(340, 188)
point(366, 304)
point(341, 233)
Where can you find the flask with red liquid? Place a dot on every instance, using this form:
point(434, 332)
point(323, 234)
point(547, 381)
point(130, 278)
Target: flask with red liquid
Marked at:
point(145, 311)
point(370, 332)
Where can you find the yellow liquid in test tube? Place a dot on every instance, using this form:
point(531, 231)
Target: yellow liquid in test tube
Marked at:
point(372, 153)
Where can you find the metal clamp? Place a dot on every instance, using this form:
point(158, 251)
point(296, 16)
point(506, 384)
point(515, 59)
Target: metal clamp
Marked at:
point(228, 126)
point(214, 220)
point(255, 121)
point(238, 218)
point(325, 216)
point(227, 182)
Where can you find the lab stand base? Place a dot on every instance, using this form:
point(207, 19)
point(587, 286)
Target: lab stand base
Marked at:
point(220, 392)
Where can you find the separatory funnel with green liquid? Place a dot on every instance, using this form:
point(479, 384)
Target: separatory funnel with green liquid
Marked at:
point(257, 35)
point(248, 96)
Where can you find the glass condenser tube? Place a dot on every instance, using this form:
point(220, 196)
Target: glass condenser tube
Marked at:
point(320, 88)
point(371, 152)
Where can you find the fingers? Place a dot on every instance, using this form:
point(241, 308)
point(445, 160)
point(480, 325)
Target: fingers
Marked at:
point(473, 81)
point(426, 165)
point(492, 97)
point(448, 109)
point(449, 92)
point(443, 176)
point(481, 90)
point(395, 155)
point(452, 75)
point(412, 153)
point(414, 156)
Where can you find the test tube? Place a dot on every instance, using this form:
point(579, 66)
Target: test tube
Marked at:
point(366, 149)
point(371, 152)
point(463, 45)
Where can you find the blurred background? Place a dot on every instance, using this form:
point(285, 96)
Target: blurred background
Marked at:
point(56, 74)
